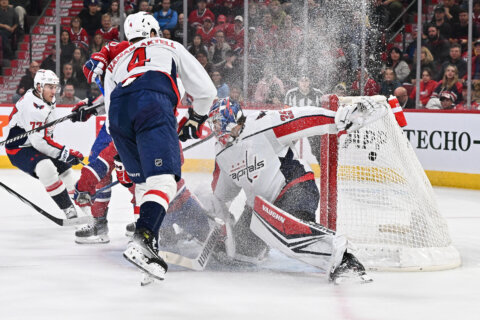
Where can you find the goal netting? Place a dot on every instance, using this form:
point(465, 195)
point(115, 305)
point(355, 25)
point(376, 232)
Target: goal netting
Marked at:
point(375, 191)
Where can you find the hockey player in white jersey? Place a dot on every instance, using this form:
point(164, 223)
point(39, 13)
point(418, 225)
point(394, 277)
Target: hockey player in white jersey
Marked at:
point(140, 99)
point(256, 153)
point(39, 154)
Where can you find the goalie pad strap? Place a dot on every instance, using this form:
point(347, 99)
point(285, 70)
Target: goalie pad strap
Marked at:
point(306, 177)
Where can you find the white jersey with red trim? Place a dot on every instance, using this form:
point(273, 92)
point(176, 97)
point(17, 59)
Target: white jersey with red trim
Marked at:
point(31, 112)
point(252, 162)
point(168, 57)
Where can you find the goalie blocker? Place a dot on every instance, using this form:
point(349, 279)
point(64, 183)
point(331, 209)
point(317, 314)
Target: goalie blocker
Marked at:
point(306, 241)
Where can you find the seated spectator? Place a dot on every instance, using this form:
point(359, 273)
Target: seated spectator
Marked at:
point(143, 5)
point(91, 18)
point(114, 12)
point(202, 58)
point(78, 60)
point(402, 96)
point(277, 13)
point(78, 35)
point(437, 44)
point(197, 45)
point(68, 96)
point(427, 86)
point(20, 7)
point(476, 15)
point(396, 62)
point(229, 8)
point(370, 87)
point(445, 101)
point(97, 43)
point(8, 26)
point(221, 23)
point(269, 88)
point(439, 20)
point(66, 47)
point(166, 34)
point(50, 62)
point(426, 61)
point(236, 94)
point(166, 17)
point(475, 64)
point(206, 31)
point(223, 90)
point(451, 11)
point(266, 34)
point(389, 83)
point(27, 81)
point(67, 77)
point(460, 31)
point(196, 17)
point(475, 101)
point(217, 52)
point(449, 83)
point(254, 15)
point(232, 68)
point(340, 89)
point(177, 32)
point(456, 60)
point(412, 46)
point(234, 34)
point(108, 32)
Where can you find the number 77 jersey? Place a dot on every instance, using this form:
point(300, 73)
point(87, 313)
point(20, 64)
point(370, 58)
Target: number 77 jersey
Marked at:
point(165, 56)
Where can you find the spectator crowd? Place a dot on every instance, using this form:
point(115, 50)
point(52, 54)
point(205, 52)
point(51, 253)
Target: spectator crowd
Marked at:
point(288, 46)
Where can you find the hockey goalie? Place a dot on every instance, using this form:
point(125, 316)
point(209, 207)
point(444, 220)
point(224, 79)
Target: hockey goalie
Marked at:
point(256, 153)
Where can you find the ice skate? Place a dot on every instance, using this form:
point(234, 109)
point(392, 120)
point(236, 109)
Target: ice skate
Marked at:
point(93, 233)
point(350, 270)
point(142, 252)
point(70, 212)
point(130, 229)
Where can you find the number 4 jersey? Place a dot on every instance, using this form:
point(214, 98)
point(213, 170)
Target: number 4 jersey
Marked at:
point(165, 56)
point(31, 112)
point(262, 160)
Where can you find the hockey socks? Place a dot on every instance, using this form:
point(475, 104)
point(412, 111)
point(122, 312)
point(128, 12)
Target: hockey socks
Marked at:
point(151, 216)
point(59, 194)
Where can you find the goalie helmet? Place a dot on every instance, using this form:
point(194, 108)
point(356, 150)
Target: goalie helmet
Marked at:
point(43, 77)
point(224, 115)
point(139, 25)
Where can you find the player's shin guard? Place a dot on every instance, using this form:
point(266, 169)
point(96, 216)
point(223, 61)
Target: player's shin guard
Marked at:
point(302, 240)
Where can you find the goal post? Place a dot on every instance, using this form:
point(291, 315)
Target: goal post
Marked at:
point(375, 191)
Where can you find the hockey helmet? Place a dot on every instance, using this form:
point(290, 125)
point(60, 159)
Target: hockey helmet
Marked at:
point(43, 77)
point(139, 25)
point(224, 115)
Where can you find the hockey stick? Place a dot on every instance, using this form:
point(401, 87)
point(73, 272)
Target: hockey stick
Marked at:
point(46, 125)
point(60, 222)
point(198, 142)
point(104, 188)
point(99, 84)
point(198, 263)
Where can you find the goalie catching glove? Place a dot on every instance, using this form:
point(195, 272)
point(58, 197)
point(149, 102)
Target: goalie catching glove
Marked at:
point(359, 114)
point(81, 112)
point(122, 175)
point(191, 127)
point(95, 66)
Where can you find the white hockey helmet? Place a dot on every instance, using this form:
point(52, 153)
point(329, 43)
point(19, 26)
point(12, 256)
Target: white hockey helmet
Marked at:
point(44, 77)
point(139, 25)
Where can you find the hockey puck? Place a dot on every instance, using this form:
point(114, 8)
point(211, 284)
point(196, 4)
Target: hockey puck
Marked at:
point(372, 156)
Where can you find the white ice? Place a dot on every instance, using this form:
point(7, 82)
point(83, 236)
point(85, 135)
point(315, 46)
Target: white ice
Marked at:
point(45, 275)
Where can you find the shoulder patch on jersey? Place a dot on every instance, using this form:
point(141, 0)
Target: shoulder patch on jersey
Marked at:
point(261, 115)
point(38, 106)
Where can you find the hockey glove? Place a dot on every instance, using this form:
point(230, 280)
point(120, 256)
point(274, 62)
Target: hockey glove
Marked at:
point(80, 112)
point(72, 157)
point(122, 175)
point(82, 198)
point(94, 67)
point(191, 127)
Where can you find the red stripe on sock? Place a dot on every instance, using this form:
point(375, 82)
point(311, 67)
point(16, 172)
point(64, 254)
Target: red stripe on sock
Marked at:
point(54, 186)
point(159, 193)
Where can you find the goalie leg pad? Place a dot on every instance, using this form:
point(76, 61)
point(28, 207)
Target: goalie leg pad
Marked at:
point(302, 240)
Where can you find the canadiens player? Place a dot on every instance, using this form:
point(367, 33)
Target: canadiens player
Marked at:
point(140, 97)
point(256, 153)
point(39, 154)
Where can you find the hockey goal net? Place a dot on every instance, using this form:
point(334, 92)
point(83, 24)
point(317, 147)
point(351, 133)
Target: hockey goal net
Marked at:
point(375, 191)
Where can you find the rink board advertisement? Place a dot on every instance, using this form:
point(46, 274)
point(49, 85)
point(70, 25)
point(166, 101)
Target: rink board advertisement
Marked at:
point(446, 143)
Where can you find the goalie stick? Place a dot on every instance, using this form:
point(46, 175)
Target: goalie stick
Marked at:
point(46, 125)
point(60, 222)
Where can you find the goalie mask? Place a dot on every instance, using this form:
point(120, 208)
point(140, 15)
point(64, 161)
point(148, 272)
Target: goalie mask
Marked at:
point(139, 25)
point(224, 115)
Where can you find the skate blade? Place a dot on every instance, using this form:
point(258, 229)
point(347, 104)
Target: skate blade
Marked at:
point(153, 270)
point(77, 221)
point(93, 240)
point(146, 279)
point(352, 278)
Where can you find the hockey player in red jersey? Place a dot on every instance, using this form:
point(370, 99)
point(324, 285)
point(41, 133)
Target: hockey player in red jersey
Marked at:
point(38, 154)
point(256, 154)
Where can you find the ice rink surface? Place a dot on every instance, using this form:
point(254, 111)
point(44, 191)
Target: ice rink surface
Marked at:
point(45, 275)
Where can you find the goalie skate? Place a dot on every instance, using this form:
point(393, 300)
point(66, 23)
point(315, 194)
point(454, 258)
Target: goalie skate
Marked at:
point(350, 270)
point(143, 253)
